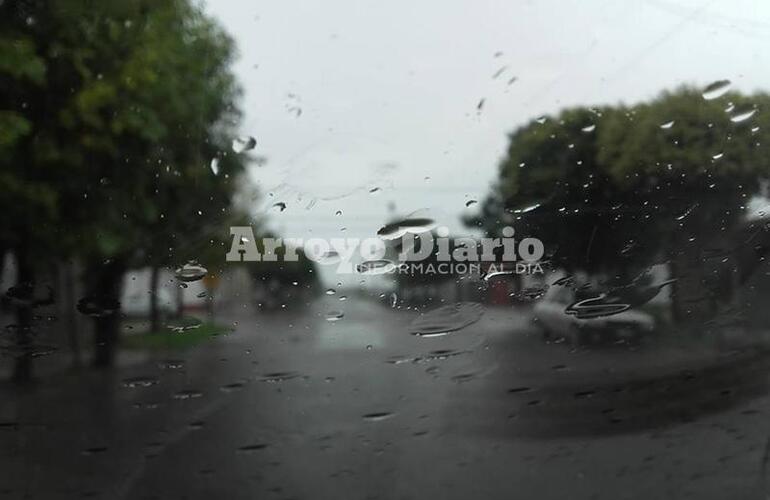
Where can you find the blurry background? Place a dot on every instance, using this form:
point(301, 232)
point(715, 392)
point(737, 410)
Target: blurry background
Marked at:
point(630, 138)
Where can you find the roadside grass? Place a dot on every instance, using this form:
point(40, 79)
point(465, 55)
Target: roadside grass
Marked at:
point(187, 333)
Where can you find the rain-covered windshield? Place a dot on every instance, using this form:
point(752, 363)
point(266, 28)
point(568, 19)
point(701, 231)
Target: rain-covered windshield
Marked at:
point(391, 250)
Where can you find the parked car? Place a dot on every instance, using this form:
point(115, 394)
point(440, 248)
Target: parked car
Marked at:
point(551, 313)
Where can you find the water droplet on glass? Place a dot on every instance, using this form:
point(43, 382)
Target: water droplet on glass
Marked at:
point(279, 376)
point(171, 364)
point(470, 203)
point(334, 316)
point(400, 228)
point(717, 156)
point(330, 291)
point(135, 382)
point(281, 206)
point(589, 128)
point(379, 266)
point(499, 72)
point(251, 448)
point(686, 212)
point(526, 209)
point(446, 319)
point(243, 144)
point(190, 272)
point(716, 89)
point(188, 394)
point(215, 166)
point(667, 125)
point(184, 324)
point(235, 386)
point(743, 115)
point(377, 417)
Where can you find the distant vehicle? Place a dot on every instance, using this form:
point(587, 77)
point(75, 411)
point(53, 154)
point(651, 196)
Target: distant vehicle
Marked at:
point(551, 313)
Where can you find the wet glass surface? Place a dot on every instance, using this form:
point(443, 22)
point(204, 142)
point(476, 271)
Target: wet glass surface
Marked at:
point(384, 250)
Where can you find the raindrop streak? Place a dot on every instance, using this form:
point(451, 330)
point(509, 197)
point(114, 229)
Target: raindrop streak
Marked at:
point(215, 166)
point(595, 307)
point(187, 394)
point(278, 376)
point(667, 125)
point(134, 382)
point(235, 386)
point(716, 89)
point(743, 115)
point(171, 364)
point(492, 274)
point(334, 316)
point(190, 272)
point(527, 209)
point(379, 266)
point(183, 324)
point(397, 229)
point(687, 212)
point(437, 355)
point(463, 377)
point(250, 448)
point(377, 417)
point(446, 319)
point(243, 144)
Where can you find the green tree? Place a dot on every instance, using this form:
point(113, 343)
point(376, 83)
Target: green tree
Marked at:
point(615, 189)
point(113, 122)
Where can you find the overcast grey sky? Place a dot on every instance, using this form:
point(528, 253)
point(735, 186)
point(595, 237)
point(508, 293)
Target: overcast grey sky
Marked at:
point(388, 91)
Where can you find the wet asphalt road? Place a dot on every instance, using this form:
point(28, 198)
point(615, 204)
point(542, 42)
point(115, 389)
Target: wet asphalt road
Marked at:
point(293, 406)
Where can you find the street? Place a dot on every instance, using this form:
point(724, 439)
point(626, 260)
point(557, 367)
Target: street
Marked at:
point(291, 405)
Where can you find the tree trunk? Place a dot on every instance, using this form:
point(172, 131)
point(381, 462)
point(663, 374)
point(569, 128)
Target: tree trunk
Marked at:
point(68, 293)
point(25, 276)
point(154, 313)
point(105, 289)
